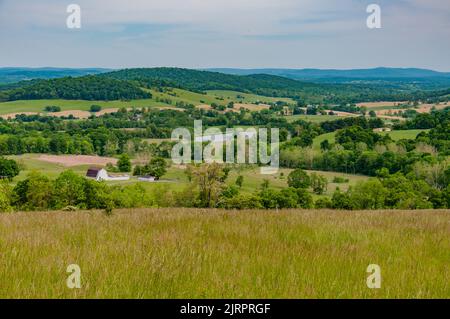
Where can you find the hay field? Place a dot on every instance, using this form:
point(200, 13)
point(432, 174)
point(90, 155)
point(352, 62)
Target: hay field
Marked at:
point(371, 105)
point(191, 253)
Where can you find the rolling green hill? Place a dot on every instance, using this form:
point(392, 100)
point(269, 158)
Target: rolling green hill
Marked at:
point(127, 84)
point(90, 87)
point(261, 84)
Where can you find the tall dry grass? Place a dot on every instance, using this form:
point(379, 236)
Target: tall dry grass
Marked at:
point(188, 253)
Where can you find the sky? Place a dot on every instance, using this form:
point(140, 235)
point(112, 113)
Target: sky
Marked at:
point(226, 33)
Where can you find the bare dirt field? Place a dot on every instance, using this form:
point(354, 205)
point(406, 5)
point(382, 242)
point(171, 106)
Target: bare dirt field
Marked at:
point(422, 108)
point(426, 108)
point(76, 113)
point(204, 107)
point(77, 160)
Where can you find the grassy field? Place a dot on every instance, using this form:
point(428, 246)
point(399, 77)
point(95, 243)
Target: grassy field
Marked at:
point(30, 162)
point(66, 105)
point(312, 118)
point(234, 96)
point(331, 137)
point(187, 253)
point(175, 178)
point(405, 134)
point(253, 179)
point(174, 95)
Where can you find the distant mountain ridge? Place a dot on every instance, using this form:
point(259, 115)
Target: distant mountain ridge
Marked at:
point(399, 78)
point(13, 74)
point(304, 74)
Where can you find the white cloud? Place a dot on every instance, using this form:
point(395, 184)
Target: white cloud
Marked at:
point(320, 33)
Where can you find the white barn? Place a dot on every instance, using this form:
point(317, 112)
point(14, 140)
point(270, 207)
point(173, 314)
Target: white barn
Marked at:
point(100, 174)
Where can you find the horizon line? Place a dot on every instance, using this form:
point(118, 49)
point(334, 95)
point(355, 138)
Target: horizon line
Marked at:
point(221, 68)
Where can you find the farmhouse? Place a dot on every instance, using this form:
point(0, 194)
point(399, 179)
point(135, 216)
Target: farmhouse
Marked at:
point(100, 174)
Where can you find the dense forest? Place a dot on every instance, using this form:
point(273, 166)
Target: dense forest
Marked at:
point(127, 84)
point(262, 84)
point(90, 87)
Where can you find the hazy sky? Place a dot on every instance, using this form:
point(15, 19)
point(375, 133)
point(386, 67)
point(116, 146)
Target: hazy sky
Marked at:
point(226, 33)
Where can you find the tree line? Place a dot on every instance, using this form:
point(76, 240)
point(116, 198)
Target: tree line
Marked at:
point(208, 188)
point(89, 87)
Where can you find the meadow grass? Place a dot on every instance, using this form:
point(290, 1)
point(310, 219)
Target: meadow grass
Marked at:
point(31, 162)
point(312, 118)
point(220, 97)
point(403, 134)
point(234, 96)
point(193, 253)
point(331, 137)
point(70, 105)
point(175, 95)
point(175, 178)
point(180, 95)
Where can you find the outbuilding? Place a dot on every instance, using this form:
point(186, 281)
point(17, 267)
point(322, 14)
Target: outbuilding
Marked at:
point(100, 174)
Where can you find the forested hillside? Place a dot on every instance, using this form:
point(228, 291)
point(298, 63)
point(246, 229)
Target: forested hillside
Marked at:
point(265, 84)
point(129, 83)
point(81, 88)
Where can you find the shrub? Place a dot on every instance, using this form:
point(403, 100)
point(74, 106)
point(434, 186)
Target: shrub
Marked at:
point(131, 196)
point(241, 201)
point(52, 108)
point(240, 180)
point(299, 179)
point(95, 108)
point(157, 167)
point(323, 202)
point(288, 198)
point(5, 197)
point(33, 193)
point(341, 200)
point(368, 195)
point(8, 168)
point(319, 183)
point(305, 199)
point(69, 190)
point(124, 163)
